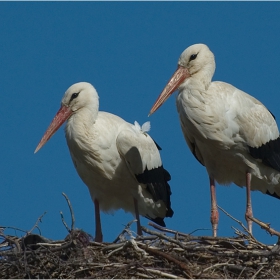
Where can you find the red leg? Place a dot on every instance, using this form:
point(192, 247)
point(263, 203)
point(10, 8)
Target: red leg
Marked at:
point(249, 210)
point(214, 218)
point(139, 230)
point(98, 230)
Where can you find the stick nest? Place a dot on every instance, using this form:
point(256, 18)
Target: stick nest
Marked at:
point(160, 253)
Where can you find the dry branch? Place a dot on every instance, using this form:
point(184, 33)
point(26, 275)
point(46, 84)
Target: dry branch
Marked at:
point(36, 224)
point(72, 215)
point(265, 226)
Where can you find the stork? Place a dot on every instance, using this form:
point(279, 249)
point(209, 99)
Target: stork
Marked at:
point(118, 161)
point(228, 131)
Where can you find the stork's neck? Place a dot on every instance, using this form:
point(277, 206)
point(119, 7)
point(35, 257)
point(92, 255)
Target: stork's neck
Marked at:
point(81, 124)
point(204, 76)
point(198, 81)
point(193, 92)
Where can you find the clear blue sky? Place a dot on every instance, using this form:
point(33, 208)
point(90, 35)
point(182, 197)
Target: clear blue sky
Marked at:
point(128, 51)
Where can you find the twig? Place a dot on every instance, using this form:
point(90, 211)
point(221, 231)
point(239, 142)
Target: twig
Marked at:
point(14, 228)
point(143, 275)
point(182, 265)
point(146, 238)
point(71, 211)
point(159, 273)
point(116, 250)
point(252, 239)
point(172, 240)
point(13, 240)
point(239, 276)
point(239, 222)
point(136, 248)
point(211, 267)
point(63, 221)
point(254, 276)
point(112, 247)
point(50, 244)
point(265, 226)
point(166, 229)
point(123, 246)
point(198, 229)
point(188, 235)
point(124, 231)
point(36, 224)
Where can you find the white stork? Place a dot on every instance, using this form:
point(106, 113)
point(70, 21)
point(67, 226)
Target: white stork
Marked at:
point(118, 161)
point(228, 131)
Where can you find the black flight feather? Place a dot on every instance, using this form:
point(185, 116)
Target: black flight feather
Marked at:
point(273, 194)
point(269, 153)
point(156, 180)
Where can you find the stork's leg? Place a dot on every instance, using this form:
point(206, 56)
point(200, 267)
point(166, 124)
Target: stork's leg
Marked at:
point(249, 210)
point(98, 230)
point(139, 230)
point(214, 218)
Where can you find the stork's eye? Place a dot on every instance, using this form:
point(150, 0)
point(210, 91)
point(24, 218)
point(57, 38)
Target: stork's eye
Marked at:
point(193, 56)
point(74, 95)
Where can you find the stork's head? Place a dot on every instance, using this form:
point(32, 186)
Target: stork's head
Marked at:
point(77, 97)
point(196, 61)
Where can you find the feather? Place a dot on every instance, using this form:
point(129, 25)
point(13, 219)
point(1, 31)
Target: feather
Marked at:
point(146, 127)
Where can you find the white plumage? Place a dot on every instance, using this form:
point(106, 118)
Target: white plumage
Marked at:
point(119, 162)
point(230, 132)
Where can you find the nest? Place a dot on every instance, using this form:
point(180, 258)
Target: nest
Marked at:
point(160, 253)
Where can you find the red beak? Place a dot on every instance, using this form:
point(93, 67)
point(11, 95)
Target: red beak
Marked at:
point(178, 77)
point(61, 116)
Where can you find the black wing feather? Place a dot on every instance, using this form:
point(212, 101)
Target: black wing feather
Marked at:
point(156, 180)
point(158, 147)
point(272, 115)
point(157, 184)
point(269, 153)
point(273, 194)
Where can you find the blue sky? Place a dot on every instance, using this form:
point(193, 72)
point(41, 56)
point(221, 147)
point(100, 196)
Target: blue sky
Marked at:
point(128, 51)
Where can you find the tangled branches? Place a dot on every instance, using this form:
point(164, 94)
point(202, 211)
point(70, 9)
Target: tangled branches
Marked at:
point(160, 253)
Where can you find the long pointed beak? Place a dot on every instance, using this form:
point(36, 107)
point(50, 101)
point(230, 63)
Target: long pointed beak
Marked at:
point(178, 77)
point(61, 116)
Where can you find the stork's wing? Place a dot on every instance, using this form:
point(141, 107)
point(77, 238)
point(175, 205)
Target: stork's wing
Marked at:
point(143, 160)
point(259, 129)
point(230, 116)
